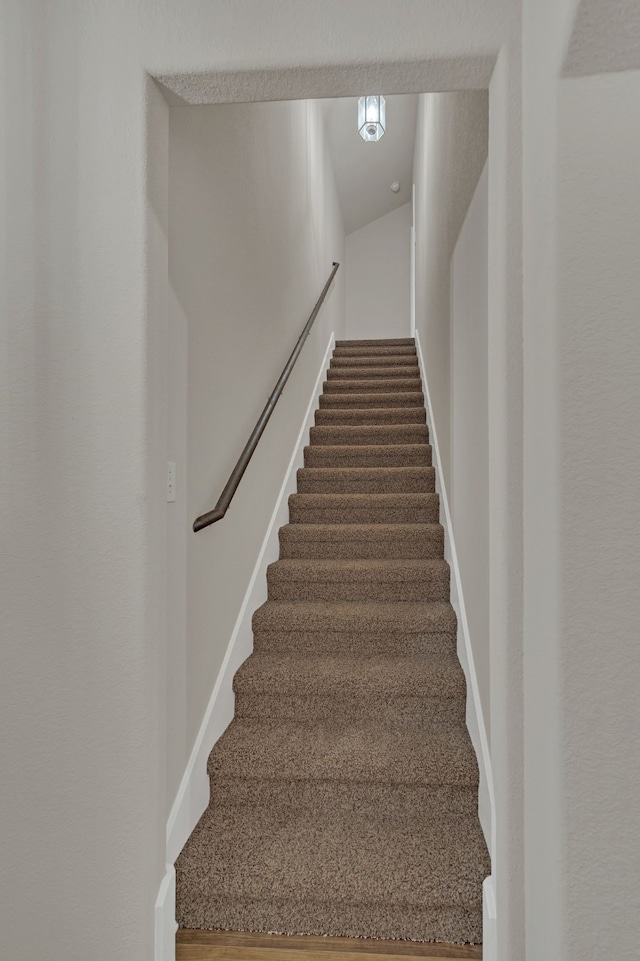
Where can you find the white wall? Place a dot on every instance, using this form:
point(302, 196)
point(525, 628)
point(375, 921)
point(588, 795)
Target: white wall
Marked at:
point(254, 228)
point(599, 557)
point(450, 152)
point(469, 489)
point(378, 274)
point(451, 149)
point(84, 300)
point(582, 355)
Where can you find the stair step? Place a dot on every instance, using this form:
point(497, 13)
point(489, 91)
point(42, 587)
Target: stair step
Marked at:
point(341, 400)
point(386, 385)
point(385, 342)
point(376, 360)
point(366, 480)
point(402, 617)
point(356, 416)
point(350, 541)
point(368, 455)
point(352, 642)
point(335, 751)
point(417, 691)
point(335, 872)
point(380, 580)
point(364, 508)
point(387, 802)
point(369, 373)
point(392, 351)
point(369, 434)
point(329, 676)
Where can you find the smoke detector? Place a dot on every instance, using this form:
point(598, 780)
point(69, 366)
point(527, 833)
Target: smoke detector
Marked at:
point(395, 186)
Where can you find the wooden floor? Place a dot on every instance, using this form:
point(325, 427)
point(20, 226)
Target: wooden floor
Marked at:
point(238, 946)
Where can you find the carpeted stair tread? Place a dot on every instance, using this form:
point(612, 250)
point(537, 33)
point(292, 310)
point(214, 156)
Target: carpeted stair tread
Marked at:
point(375, 360)
point(378, 373)
point(273, 749)
point(362, 540)
point(332, 675)
point(364, 508)
point(381, 342)
point(339, 858)
point(364, 644)
point(386, 385)
point(313, 579)
point(334, 874)
point(378, 434)
point(373, 415)
point(388, 712)
point(402, 617)
point(368, 455)
point(365, 480)
point(341, 400)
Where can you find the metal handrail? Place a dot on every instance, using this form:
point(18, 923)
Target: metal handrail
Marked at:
point(218, 512)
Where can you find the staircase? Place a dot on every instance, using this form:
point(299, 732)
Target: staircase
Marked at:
point(344, 792)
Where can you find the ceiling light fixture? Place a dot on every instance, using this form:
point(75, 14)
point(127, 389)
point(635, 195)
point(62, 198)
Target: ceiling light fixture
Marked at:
point(371, 118)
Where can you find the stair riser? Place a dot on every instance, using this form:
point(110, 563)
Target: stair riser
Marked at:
point(374, 351)
point(389, 435)
point(398, 480)
point(340, 400)
point(408, 546)
point(402, 713)
point(398, 802)
point(363, 515)
point(368, 456)
point(381, 342)
point(364, 644)
point(432, 588)
point(371, 373)
point(371, 417)
point(383, 360)
point(342, 920)
point(382, 385)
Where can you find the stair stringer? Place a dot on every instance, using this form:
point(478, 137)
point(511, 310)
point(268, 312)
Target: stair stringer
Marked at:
point(474, 714)
point(193, 795)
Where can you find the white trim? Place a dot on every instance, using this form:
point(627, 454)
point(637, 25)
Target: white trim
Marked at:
point(489, 933)
point(475, 717)
point(412, 292)
point(192, 798)
point(164, 919)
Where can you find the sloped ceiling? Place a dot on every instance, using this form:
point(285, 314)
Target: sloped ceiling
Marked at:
point(364, 172)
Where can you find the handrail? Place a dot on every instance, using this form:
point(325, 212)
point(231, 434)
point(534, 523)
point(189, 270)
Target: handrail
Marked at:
point(231, 486)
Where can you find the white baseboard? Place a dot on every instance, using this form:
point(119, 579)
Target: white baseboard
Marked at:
point(165, 925)
point(193, 794)
point(475, 717)
point(489, 936)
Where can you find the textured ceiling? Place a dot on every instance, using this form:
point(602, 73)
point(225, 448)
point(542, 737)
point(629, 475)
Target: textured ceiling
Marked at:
point(365, 171)
point(605, 38)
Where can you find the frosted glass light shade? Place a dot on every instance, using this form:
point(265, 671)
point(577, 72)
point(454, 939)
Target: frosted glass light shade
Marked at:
point(371, 118)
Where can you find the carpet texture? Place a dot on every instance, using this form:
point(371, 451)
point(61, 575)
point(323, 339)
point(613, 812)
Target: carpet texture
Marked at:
point(344, 793)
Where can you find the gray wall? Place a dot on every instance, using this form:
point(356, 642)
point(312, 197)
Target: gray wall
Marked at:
point(254, 228)
point(378, 276)
point(450, 152)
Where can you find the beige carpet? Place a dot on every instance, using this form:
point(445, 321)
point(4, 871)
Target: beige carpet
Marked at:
point(344, 793)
